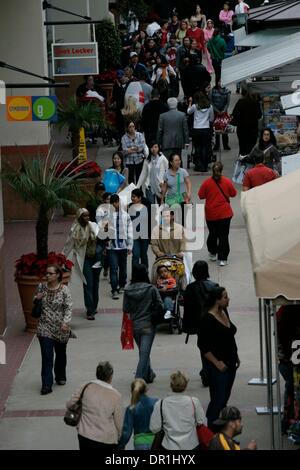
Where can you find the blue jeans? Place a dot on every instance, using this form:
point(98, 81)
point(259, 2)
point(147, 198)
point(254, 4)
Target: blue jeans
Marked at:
point(117, 268)
point(139, 252)
point(91, 288)
point(168, 303)
point(144, 338)
point(220, 385)
point(48, 346)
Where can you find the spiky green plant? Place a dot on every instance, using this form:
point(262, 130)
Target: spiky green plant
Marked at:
point(37, 182)
point(75, 115)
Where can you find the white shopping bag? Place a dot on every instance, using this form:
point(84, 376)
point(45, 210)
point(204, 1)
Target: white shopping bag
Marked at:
point(125, 195)
point(134, 96)
point(239, 171)
point(152, 28)
point(188, 266)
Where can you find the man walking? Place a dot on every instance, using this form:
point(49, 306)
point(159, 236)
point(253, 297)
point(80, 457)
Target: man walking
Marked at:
point(173, 133)
point(260, 174)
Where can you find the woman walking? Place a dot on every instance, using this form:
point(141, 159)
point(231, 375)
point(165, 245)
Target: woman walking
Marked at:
point(219, 352)
point(140, 215)
point(217, 48)
point(133, 147)
point(153, 172)
point(137, 417)
point(268, 145)
point(217, 191)
point(208, 34)
point(178, 414)
point(177, 187)
point(141, 300)
point(53, 329)
point(119, 180)
point(203, 119)
point(101, 419)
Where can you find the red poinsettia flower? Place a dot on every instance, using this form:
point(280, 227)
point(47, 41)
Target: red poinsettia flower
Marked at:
point(90, 169)
point(30, 265)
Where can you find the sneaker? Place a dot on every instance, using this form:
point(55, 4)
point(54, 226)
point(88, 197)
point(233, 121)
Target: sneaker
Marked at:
point(223, 263)
point(105, 273)
point(168, 315)
point(97, 265)
point(90, 317)
point(115, 295)
point(121, 290)
point(212, 257)
point(61, 382)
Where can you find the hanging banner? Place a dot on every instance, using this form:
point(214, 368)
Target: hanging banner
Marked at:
point(75, 58)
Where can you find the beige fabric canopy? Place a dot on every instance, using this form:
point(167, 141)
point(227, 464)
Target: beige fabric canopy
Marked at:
point(272, 216)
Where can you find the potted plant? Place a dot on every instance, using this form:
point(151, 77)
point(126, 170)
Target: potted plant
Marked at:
point(78, 117)
point(38, 183)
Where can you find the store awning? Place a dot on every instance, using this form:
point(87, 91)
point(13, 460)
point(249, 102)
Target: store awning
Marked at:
point(266, 37)
point(272, 215)
point(262, 59)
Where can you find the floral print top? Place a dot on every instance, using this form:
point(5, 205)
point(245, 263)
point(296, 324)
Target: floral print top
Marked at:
point(56, 310)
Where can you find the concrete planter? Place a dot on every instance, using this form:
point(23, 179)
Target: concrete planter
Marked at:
point(27, 286)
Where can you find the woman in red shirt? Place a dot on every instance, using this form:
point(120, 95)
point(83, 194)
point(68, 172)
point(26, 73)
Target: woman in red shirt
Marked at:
point(217, 191)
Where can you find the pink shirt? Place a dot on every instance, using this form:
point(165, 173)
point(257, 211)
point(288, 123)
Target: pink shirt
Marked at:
point(208, 34)
point(226, 16)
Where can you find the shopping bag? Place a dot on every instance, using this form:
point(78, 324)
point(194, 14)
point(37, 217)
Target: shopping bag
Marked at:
point(125, 195)
point(205, 435)
point(239, 171)
point(127, 332)
point(221, 122)
point(112, 180)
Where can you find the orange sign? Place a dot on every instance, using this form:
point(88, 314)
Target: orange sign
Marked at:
point(19, 108)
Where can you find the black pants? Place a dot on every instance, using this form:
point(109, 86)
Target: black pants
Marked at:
point(247, 140)
point(48, 346)
point(225, 140)
point(217, 241)
point(202, 145)
point(217, 65)
point(88, 444)
point(134, 171)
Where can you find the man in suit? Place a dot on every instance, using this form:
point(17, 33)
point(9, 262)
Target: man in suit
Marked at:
point(172, 133)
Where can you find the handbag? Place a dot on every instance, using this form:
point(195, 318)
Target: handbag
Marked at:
point(158, 437)
point(204, 434)
point(177, 198)
point(73, 413)
point(37, 308)
point(127, 332)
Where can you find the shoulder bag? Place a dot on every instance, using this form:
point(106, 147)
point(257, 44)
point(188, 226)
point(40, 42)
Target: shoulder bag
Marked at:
point(158, 437)
point(73, 413)
point(225, 196)
point(177, 198)
point(37, 308)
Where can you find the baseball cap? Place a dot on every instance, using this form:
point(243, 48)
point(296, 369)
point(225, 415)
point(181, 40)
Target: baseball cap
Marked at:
point(229, 413)
point(132, 54)
point(120, 73)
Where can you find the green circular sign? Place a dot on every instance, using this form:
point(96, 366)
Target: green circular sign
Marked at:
point(44, 108)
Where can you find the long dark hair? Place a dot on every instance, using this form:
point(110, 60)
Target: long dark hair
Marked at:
point(154, 142)
point(139, 274)
point(201, 100)
point(213, 296)
point(272, 140)
point(217, 169)
point(120, 154)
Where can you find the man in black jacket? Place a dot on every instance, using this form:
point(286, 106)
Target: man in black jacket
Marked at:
point(150, 116)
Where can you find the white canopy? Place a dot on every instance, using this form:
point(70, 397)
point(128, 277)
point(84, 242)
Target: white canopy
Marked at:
point(272, 216)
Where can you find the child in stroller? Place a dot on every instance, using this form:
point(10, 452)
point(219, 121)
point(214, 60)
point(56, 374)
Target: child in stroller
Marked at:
point(166, 285)
point(168, 275)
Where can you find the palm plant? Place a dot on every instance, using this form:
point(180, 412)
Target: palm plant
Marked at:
point(39, 183)
point(76, 115)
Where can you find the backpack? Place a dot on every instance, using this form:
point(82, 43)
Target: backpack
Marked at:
point(195, 297)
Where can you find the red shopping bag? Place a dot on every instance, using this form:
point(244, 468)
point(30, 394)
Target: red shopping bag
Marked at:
point(221, 122)
point(205, 435)
point(127, 332)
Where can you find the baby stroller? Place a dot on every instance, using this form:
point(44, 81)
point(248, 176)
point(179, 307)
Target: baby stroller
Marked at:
point(212, 156)
point(176, 268)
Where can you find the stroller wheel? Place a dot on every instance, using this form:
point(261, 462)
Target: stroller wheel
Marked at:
point(179, 326)
point(172, 327)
